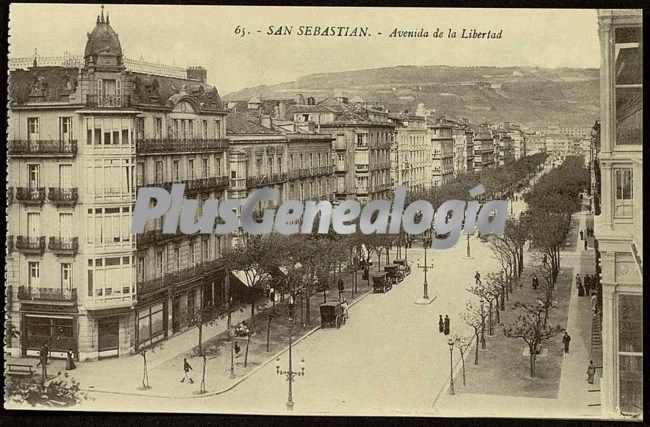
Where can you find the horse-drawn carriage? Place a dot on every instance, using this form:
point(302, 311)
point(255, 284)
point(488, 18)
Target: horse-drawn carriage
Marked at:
point(332, 313)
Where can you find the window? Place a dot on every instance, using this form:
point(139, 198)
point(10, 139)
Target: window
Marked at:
point(205, 167)
point(233, 174)
point(65, 224)
point(151, 324)
point(628, 71)
point(141, 267)
point(140, 174)
point(175, 170)
point(204, 129)
point(66, 276)
point(33, 224)
point(623, 196)
point(32, 129)
point(159, 263)
point(217, 129)
point(192, 254)
point(205, 249)
point(176, 261)
point(159, 172)
point(34, 176)
point(157, 127)
point(34, 273)
point(65, 129)
point(190, 168)
point(630, 353)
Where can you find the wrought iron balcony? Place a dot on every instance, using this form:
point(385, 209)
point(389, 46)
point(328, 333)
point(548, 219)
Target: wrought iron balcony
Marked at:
point(216, 183)
point(10, 244)
point(144, 146)
point(30, 196)
point(63, 196)
point(108, 101)
point(42, 148)
point(293, 174)
point(64, 245)
point(27, 293)
point(156, 237)
point(265, 180)
point(169, 280)
point(305, 173)
point(30, 244)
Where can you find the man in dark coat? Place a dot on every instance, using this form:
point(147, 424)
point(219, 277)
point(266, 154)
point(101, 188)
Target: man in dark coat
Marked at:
point(581, 235)
point(477, 276)
point(566, 339)
point(535, 283)
point(587, 284)
point(441, 324)
point(446, 325)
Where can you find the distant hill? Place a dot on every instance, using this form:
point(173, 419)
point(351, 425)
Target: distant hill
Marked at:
point(528, 95)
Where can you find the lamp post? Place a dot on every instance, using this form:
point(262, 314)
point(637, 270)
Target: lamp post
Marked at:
point(469, 254)
point(450, 342)
point(425, 267)
point(290, 373)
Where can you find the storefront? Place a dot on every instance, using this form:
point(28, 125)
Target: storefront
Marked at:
point(152, 324)
point(51, 325)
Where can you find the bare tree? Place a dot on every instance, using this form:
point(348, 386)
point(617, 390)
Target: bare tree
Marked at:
point(144, 351)
point(462, 343)
point(530, 327)
point(474, 317)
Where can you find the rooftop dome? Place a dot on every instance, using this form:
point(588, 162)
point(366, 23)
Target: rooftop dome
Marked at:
point(103, 40)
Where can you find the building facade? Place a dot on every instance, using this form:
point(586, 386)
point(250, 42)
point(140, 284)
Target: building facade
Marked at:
point(410, 152)
point(483, 150)
point(78, 279)
point(442, 152)
point(618, 228)
point(463, 149)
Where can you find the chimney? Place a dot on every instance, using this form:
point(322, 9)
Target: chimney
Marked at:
point(311, 101)
point(197, 73)
point(282, 109)
point(266, 121)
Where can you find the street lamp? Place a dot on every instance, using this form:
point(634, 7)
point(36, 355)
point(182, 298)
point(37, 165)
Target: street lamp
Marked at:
point(426, 266)
point(290, 373)
point(469, 254)
point(450, 342)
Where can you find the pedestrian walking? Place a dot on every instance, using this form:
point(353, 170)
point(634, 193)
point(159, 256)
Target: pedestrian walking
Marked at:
point(441, 324)
point(587, 284)
point(581, 291)
point(585, 245)
point(446, 325)
point(344, 306)
point(566, 339)
point(237, 349)
point(186, 372)
point(535, 282)
point(477, 276)
point(581, 235)
point(42, 355)
point(591, 372)
point(69, 364)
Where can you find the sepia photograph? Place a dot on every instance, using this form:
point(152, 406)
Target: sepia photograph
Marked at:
point(324, 211)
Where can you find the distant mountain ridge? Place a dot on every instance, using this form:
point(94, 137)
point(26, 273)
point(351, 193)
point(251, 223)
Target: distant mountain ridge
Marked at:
point(529, 95)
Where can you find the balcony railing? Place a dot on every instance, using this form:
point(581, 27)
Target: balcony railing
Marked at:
point(30, 196)
point(216, 183)
point(304, 173)
point(293, 174)
point(42, 148)
point(65, 245)
point(30, 244)
point(108, 101)
point(264, 180)
point(27, 293)
point(379, 166)
point(63, 196)
point(156, 237)
point(175, 145)
point(10, 244)
point(177, 277)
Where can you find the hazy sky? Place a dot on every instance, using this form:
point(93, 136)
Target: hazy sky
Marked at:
point(205, 35)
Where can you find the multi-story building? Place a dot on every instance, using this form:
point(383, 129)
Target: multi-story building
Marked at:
point(410, 152)
point(82, 139)
point(557, 144)
point(503, 148)
point(463, 149)
point(483, 150)
point(361, 148)
point(618, 228)
point(535, 143)
point(518, 143)
point(296, 162)
point(442, 152)
point(594, 168)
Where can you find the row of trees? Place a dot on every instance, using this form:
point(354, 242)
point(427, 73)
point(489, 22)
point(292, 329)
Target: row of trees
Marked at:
point(545, 227)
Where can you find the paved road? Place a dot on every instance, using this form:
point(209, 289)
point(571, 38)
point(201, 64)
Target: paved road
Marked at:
point(387, 359)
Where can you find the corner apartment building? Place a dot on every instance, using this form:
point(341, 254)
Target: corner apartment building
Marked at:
point(503, 148)
point(410, 152)
point(442, 152)
point(82, 139)
point(463, 149)
point(618, 228)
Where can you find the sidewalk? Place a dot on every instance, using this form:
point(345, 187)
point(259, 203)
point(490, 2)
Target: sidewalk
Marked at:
point(576, 398)
point(123, 375)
